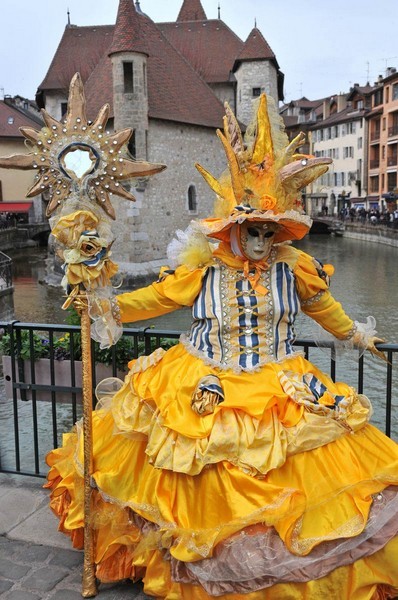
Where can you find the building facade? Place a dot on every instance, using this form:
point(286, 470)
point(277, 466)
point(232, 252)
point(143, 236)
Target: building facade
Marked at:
point(383, 143)
point(17, 112)
point(341, 133)
point(168, 82)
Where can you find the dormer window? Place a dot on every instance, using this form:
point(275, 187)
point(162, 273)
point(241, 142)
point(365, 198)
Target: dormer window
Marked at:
point(10, 120)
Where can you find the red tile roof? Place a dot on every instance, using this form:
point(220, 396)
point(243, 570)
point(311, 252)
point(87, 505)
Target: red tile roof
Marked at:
point(255, 47)
point(209, 45)
point(175, 91)
point(191, 10)
point(129, 34)
point(11, 119)
point(80, 49)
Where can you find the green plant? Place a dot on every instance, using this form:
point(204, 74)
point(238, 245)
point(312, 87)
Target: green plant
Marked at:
point(28, 345)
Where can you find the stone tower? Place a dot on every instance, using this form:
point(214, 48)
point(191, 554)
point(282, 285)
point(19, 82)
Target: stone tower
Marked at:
point(256, 70)
point(128, 53)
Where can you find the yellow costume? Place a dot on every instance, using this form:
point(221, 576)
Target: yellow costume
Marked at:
point(230, 466)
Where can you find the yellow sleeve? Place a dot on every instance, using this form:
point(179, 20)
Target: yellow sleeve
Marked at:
point(169, 293)
point(316, 300)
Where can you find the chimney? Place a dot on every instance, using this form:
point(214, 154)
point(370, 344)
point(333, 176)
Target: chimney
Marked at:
point(342, 102)
point(390, 71)
point(326, 108)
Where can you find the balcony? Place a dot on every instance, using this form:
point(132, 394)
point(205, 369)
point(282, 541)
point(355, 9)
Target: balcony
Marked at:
point(375, 135)
point(374, 163)
point(392, 161)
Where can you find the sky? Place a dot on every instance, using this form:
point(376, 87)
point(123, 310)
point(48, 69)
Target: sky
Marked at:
point(322, 47)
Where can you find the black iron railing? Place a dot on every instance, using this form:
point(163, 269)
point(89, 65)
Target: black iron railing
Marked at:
point(41, 398)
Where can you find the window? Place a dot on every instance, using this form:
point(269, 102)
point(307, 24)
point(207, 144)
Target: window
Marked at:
point(387, 94)
point(10, 120)
point(391, 181)
point(64, 109)
point(374, 184)
point(383, 152)
point(342, 179)
point(256, 92)
point(359, 143)
point(360, 104)
point(128, 77)
point(378, 98)
point(144, 76)
point(192, 200)
point(395, 91)
point(384, 123)
point(131, 145)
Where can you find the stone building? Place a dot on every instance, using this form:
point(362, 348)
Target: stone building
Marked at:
point(168, 82)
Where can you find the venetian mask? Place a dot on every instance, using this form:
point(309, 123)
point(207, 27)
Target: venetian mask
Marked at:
point(256, 238)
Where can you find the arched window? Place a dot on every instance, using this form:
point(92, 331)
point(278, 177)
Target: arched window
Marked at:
point(192, 199)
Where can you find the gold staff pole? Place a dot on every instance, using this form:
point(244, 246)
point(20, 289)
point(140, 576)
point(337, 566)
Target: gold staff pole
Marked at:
point(76, 162)
point(89, 584)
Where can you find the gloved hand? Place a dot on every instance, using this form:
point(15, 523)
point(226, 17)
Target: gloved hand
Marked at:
point(371, 346)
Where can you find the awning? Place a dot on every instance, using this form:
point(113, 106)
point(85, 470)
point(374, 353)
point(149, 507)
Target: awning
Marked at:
point(15, 207)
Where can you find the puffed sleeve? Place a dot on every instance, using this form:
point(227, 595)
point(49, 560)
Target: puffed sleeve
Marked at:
point(171, 292)
point(312, 283)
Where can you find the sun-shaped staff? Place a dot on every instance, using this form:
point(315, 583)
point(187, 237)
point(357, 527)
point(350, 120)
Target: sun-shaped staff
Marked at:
point(59, 149)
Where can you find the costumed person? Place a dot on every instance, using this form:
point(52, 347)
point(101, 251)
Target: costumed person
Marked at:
point(230, 466)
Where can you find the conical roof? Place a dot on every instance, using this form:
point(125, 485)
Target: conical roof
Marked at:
point(255, 47)
point(191, 10)
point(129, 34)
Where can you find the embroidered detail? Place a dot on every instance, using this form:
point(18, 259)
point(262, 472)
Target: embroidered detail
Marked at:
point(264, 359)
point(352, 332)
point(314, 299)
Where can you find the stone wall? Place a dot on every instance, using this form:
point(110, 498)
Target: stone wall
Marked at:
point(144, 228)
point(225, 93)
point(254, 74)
point(375, 234)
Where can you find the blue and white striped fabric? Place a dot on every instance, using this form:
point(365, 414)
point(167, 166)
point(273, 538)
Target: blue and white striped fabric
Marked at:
point(234, 327)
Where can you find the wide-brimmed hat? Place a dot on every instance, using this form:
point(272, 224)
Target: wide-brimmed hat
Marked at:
point(264, 179)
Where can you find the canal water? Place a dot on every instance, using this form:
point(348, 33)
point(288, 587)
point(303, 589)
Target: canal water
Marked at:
point(365, 282)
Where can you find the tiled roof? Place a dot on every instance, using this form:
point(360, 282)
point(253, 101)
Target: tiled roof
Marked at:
point(191, 10)
point(19, 119)
point(209, 45)
point(255, 47)
point(80, 49)
point(348, 114)
point(175, 91)
point(129, 34)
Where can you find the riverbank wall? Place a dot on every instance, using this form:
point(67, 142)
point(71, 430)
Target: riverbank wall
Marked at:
point(379, 234)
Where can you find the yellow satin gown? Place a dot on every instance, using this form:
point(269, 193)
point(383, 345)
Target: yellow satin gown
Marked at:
point(283, 492)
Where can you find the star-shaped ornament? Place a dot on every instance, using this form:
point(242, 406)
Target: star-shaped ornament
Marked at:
point(79, 157)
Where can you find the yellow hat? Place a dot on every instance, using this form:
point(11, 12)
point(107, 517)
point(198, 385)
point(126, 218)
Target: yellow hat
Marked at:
point(264, 178)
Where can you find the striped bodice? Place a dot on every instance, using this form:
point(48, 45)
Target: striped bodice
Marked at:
point(236, 327)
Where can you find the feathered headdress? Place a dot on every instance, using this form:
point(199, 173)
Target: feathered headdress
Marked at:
point(264, 179)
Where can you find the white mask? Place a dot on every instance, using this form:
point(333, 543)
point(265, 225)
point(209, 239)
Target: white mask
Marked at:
point(257, 238)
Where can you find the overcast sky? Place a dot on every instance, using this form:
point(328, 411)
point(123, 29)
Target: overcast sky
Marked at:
point(322, 47)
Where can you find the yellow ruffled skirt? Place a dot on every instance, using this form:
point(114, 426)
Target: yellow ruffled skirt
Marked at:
point(267, 497)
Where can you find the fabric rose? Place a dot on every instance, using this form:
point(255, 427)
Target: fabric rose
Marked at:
point(69, 228)
point(267, 202)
